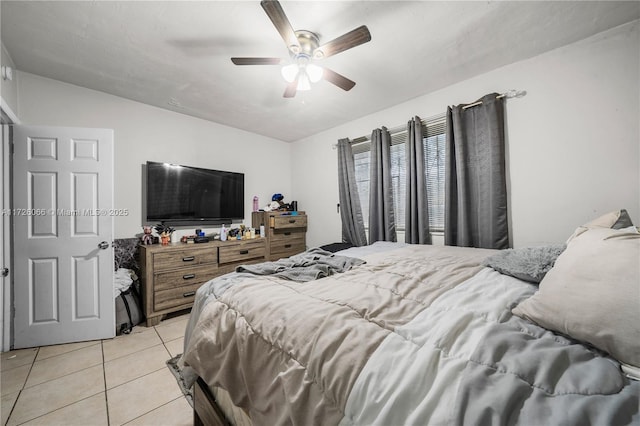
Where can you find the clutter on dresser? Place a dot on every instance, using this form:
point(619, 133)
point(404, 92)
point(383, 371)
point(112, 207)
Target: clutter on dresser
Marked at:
point(164, 231)
point(147, 237)
point(278, 204)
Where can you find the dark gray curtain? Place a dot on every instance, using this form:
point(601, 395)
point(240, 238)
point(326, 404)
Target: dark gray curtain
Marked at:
point(475, 177)
point(350, 210)
point(382, 226)
point(416, 221)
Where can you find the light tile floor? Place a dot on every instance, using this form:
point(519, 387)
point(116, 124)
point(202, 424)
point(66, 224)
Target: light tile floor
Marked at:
point(120, 381)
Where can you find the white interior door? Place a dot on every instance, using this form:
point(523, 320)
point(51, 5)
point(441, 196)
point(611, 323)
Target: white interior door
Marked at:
point(63, 229)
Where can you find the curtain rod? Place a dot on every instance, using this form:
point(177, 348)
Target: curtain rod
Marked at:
point(436, 119)
point(509, 94)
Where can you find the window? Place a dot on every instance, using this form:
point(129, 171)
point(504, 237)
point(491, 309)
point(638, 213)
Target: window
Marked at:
point(434, 158)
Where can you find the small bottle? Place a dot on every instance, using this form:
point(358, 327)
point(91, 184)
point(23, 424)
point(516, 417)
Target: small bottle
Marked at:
point(255, 203)
point(261, 231)
point(252, 232)
point(223, 233)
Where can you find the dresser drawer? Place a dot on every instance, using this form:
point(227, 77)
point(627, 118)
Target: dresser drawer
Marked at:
point(231, 267)
point(287, 222)
point(171, 298)
point(285, 248)
point(187, 257)
point(288, 236)
point(184, 276)
point(247, 251)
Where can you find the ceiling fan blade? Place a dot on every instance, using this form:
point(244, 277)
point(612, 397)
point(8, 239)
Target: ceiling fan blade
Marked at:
point(346, 41)
point(291, 89)
point(338, 79)
point(281, 22)
point(256, 61)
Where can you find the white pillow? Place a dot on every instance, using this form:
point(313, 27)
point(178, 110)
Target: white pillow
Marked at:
point(592, 293)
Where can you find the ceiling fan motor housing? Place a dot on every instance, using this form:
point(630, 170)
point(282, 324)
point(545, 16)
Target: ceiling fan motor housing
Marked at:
point(308, 44)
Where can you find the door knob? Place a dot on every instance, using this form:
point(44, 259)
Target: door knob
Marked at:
point(103, 245)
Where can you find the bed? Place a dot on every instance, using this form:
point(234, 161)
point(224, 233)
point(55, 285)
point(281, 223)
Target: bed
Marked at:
point(396, 334)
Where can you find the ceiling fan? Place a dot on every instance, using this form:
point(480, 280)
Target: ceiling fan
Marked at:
point(305, 48)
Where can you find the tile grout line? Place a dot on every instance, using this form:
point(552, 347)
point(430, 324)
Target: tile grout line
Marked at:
point(134, 379)
point(134, 352)
point(23, 384)
point(104, 378)
point(60, 377)
point(57, 409)
point(66, 353)
point(171, 356)
point(152, 410)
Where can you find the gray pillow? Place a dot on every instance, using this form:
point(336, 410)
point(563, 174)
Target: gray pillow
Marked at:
point(528, 263)
point(624, 220)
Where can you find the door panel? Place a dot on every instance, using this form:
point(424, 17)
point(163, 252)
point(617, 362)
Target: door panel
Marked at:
point(62, 195)
point(43, 290)
point(84, 199)
point(86, 293)
point(42, 192)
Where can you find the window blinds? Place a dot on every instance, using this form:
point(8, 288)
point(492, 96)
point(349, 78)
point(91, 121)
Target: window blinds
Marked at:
point(434, 148)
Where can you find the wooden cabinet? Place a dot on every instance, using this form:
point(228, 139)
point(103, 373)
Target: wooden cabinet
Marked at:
point(285, 233)
point(172, 274)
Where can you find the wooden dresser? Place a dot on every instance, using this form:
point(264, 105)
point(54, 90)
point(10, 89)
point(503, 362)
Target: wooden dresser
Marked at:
point(171, 274)
point(285, 233)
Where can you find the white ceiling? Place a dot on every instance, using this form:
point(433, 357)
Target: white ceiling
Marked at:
point(175, 54)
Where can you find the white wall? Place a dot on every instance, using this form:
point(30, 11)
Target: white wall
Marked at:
point(573, 141)
point(145, 133)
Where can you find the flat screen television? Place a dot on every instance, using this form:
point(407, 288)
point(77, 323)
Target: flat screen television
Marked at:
point(184, 195)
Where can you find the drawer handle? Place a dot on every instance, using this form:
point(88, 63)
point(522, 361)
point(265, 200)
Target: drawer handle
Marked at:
point(287, 233)
point(188, 276)
point(188, 294)
point(189, 259)
point(292, 221)
point(244, 251)
point(287, 246)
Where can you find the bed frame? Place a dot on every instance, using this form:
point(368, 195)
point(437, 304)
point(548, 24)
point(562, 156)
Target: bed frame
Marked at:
point(206, 411)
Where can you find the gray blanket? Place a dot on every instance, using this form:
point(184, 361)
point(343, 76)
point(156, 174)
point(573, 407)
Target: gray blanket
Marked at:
point(540, 379)
point(307, 266)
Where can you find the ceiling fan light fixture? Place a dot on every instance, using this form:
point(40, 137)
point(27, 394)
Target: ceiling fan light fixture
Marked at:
point(303, 82)
point(314, 72)
point(290, 72)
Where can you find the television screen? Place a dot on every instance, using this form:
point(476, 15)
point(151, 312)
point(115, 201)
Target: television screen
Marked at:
point(184, 195)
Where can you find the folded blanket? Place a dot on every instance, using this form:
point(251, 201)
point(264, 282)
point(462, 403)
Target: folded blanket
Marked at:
point(307, 266)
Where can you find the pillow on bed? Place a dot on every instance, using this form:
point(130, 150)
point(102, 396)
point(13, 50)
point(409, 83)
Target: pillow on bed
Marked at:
point(528, 263)
point(618, 219)
point(592, 293)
